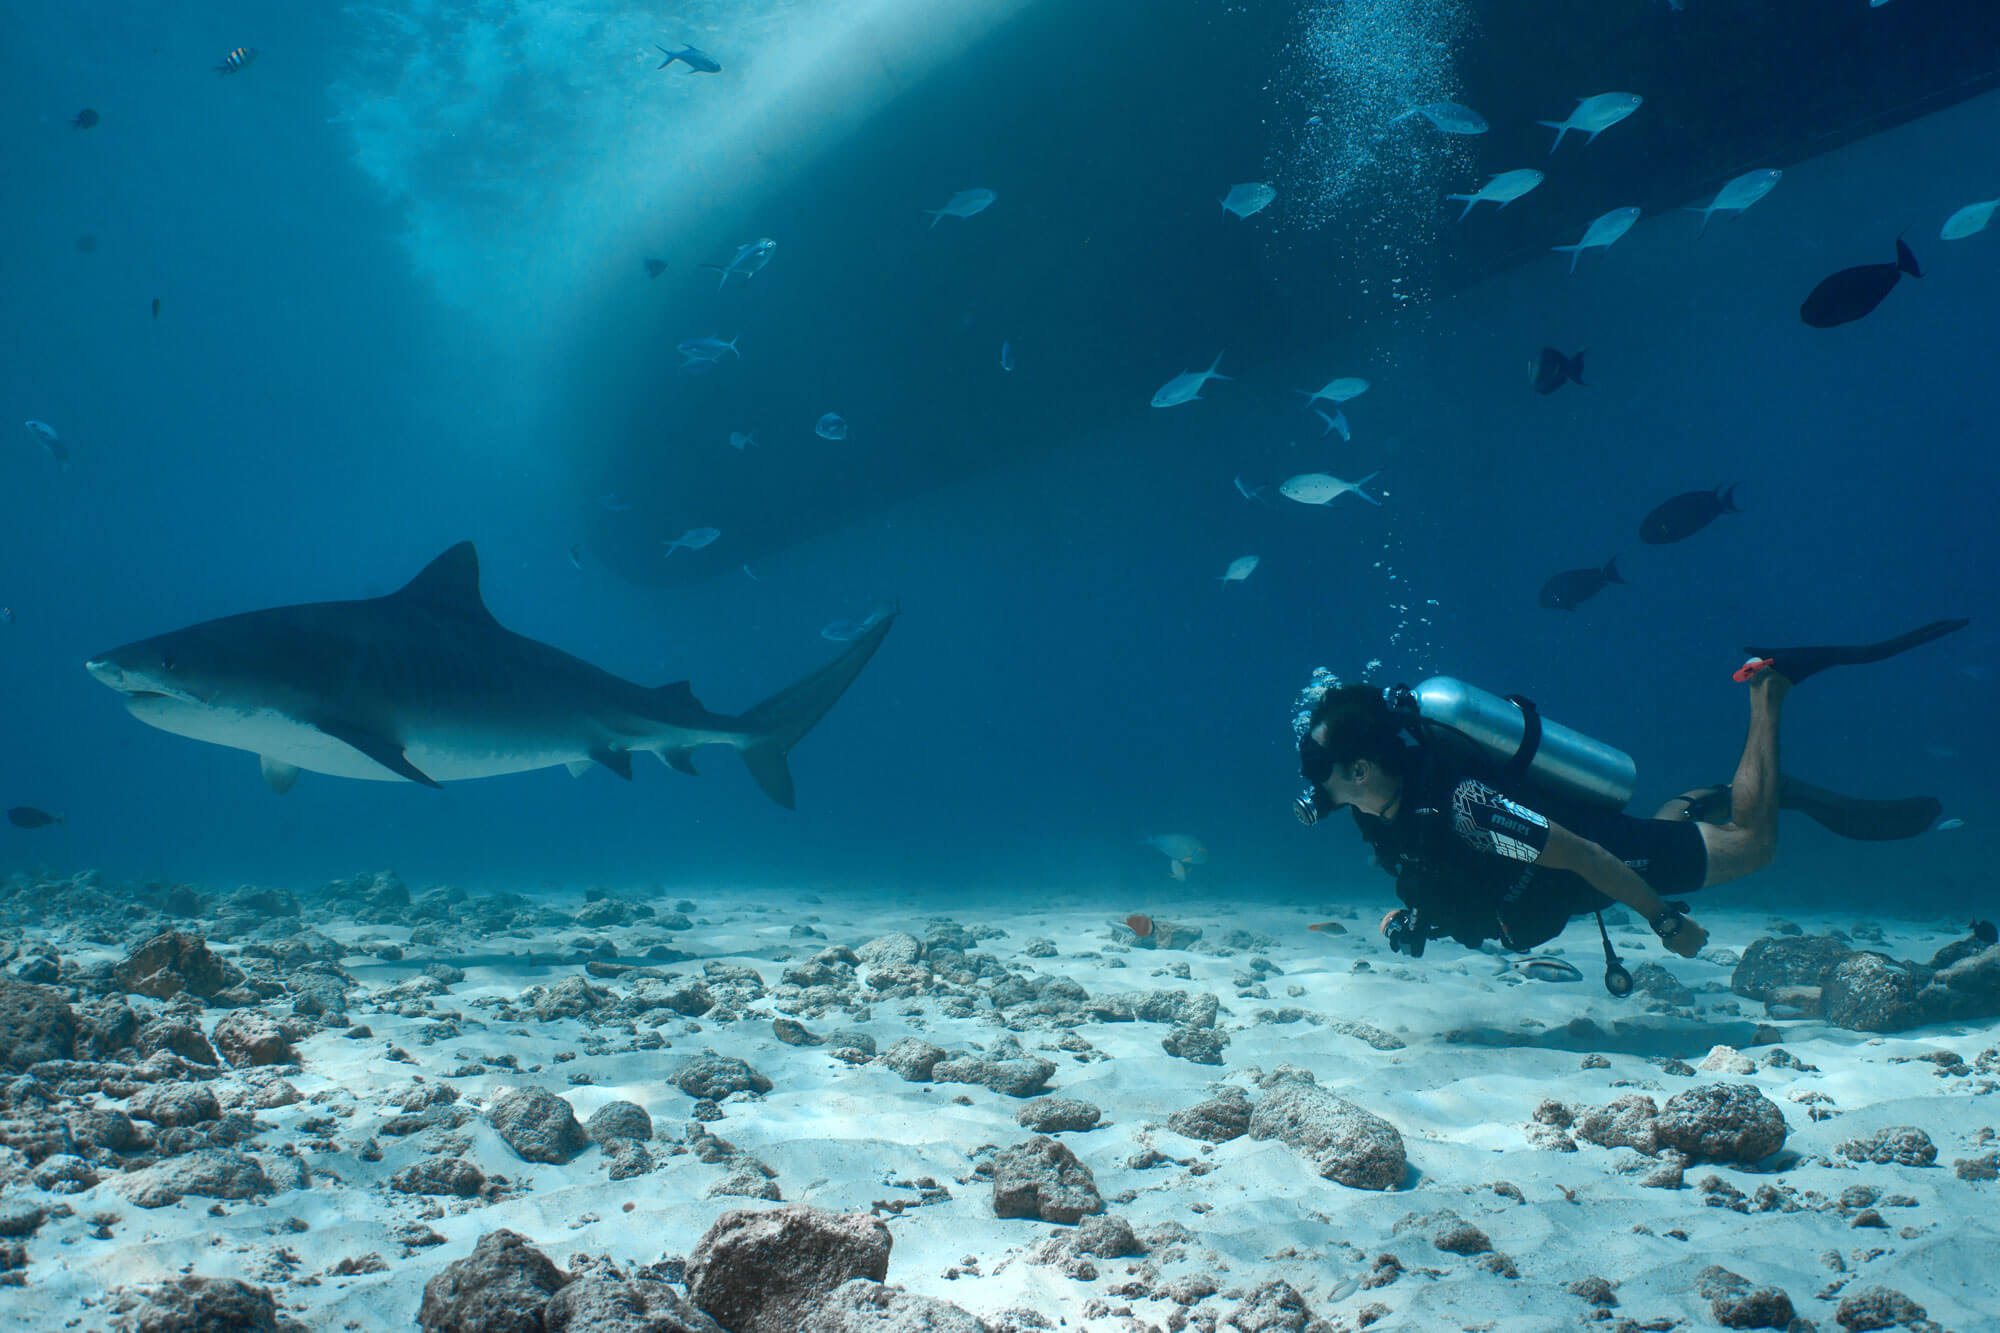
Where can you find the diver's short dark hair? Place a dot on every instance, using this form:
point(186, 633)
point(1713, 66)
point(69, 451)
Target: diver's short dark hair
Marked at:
point(1358, 725)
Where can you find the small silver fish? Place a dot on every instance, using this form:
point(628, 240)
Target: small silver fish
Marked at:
point(1449, 117)
point(832, 426)
point(237, 59)
point(1318, 488)
point(1336, 422)
point(1006, 356)
point(707, 349)
point(1336, 391)
point(1602, 232)
point(1186, 387)
point(963, 205)
point(576, 557)
point(740, 440)
point(1947, 825)
point(1240, 569)
point(693, 539)
point(1546, 967)
point(749, 260)
point(1244, 200)
point(1594, 115)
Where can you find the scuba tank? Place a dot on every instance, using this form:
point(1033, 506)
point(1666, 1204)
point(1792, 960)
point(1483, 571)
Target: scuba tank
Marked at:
point(1513, 734)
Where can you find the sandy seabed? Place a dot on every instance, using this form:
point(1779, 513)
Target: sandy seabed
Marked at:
point(1506, 1216)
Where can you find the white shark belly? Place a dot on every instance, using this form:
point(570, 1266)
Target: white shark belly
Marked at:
point(473, 752)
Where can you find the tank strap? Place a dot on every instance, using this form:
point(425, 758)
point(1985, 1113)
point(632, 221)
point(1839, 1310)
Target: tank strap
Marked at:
point(1531, 737)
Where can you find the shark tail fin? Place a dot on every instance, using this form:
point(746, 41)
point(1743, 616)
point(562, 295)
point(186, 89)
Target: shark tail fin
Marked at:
point(774, 726)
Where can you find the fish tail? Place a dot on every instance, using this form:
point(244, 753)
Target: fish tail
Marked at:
point(1573, 367)
point(936, 214)
point(1470, 200)
point(1906, 259)
point(1560, 127)
point(1571, 250)
point(1363, 482)
point(1705, 214)
point(1611, 574)
point(1727, 495)
point(770, 730)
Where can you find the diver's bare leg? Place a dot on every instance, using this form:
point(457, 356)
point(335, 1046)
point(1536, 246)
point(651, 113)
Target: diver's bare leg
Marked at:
point(1750, 839)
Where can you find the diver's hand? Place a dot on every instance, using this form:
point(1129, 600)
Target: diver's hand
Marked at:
point(1688, 940)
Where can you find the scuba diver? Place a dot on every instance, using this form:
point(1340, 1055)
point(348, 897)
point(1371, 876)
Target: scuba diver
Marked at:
point(1498, 824)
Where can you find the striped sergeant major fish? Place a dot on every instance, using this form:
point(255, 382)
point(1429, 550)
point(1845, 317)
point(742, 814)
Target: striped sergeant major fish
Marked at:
point(236, 59)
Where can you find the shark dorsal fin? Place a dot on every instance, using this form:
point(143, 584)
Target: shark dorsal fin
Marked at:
point(450, 584)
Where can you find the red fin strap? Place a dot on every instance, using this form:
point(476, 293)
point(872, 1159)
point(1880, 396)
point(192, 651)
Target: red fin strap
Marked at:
point(1749, 669)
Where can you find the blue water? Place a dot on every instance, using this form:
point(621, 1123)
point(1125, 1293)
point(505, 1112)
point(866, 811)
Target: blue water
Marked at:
point(402, 303)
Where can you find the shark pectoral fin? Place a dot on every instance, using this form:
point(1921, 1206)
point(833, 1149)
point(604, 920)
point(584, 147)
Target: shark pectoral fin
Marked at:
point(578, 767)
point(681, 761)
point(618, 761)
point(766, 762)
point(278, 776)
point(381, 749)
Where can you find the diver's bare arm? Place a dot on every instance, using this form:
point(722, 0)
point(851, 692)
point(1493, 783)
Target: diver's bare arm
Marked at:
point(1616, 880)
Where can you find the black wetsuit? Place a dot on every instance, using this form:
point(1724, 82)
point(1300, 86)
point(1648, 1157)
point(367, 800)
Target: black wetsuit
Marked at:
point(1464, 840)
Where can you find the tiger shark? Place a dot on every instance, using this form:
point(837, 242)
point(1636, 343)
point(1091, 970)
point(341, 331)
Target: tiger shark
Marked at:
point(424, 685)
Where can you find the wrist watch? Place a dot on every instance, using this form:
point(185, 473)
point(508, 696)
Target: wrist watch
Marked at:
point(1668, 923)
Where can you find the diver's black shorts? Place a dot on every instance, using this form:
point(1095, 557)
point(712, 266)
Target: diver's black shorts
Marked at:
point(1668, 854)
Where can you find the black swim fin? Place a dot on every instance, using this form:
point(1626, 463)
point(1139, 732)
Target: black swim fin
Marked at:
point(1854, 817)
point(1795, 664)
point(1849, 816)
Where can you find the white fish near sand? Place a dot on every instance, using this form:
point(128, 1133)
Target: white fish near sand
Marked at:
point(1543, 967)
point(1449, 117)
point(1336, 391)
point(1243, 200)
point(1320, 488)
point(1968, 221)
point(1336, 422)
point(693, 539)
point(1502, 189)
point(1600, 233)
point(1594, 115)
point(1240, 569)
point(1181, 851)
point(1739, 194)
point(963, 205)
point(1186, 387)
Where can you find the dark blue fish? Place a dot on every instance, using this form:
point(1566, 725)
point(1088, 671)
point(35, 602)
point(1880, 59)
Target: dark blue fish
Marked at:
point(1552, 370)
point(85, 119)
point(697, 60)
point(26, 816)
point(1854, 292)
point(655, 267)
point(1573, 587)
point(1687, 514)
